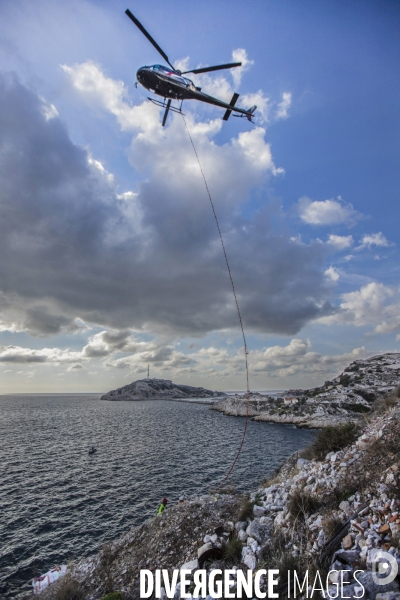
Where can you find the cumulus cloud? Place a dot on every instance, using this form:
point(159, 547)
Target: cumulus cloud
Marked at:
point(100, 90)
point(375, 304)
point(297, 357)
point(17, 354)
point(340, 242)
point(240, 55)
point(374, 239)
point(332, 274)
point(327, 212)
point(80, 251)
point(283, 106)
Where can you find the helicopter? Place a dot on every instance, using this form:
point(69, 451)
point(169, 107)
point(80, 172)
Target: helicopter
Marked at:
point(169, 83)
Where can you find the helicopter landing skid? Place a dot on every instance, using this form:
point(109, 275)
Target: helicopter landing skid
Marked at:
point(167, 106)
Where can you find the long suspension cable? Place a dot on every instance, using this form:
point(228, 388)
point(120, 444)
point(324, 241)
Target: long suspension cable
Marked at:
point(237, 308)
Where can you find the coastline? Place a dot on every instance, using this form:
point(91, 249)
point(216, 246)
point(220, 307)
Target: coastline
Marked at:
point(332, 509)
point(348, 397)
point(332, 514)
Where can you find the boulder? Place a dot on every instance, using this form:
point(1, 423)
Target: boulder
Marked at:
point(250, 561)
point(344, 506)
point(228, 526)
point(252, 544)
point(257, 531)
point(191, 566)
point(258, 511)
point(347, 542)
point(242, 535)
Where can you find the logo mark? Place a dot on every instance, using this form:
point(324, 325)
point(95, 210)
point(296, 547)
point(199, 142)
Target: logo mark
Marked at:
point(384, 568)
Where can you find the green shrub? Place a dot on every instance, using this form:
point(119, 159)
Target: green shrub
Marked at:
point(278, 552)
point(245, 510)
point(331, 524)
point(331, 439)
point(113, 596)
point(345, 380)
point(301, 504)
point(232, 550)
point(352, 368)
point(358, 408)
point(383, 404)
point(69, 589)
point(368, 396)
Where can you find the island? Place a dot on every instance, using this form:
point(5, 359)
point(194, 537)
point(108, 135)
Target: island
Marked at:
point(159, 389)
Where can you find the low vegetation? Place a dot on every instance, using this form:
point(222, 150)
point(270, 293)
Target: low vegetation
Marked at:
point(302, 504)
point(69, 589)
point(246, 509)
point(232, 551)
point(331, 439)
point(381, 405)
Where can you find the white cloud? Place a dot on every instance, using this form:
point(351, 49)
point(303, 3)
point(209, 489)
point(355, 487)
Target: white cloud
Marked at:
point(149, 260)
point(17, 354)
point(261, 101)
point(340, 242)
point(374, 239)
point(240, 55)
point(283, 106)
point(327, 212)
point(297, 358)
point(375, 304)
point(108, 342)
point(100, 167)
point(49, 111)
point(112, 95)
point(332, 274)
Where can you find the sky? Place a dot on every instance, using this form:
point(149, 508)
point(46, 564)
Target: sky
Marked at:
point(110, 259)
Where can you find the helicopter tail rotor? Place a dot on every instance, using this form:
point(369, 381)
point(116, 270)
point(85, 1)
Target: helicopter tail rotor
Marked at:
point(250, 113)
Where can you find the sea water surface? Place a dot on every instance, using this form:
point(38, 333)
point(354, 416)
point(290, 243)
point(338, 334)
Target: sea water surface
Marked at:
point(58, 502)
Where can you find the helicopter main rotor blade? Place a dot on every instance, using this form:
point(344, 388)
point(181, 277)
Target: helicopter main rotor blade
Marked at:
point(216, 68)
point(146, 33)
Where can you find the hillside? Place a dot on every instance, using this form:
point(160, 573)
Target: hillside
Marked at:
point(324, 518)
point(346, 397)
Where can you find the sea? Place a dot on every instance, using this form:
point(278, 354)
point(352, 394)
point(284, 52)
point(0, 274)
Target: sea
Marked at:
point(57, 502)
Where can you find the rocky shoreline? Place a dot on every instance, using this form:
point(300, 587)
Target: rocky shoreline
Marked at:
point(333, 515)
point(346, 398)
point(329, 515)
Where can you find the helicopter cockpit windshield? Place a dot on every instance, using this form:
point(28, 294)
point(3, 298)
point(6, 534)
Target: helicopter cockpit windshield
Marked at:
point(167, 71)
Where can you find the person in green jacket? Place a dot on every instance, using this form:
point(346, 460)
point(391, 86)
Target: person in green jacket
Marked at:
point(162, 506)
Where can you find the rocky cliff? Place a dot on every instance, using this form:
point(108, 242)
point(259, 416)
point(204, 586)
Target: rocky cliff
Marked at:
point(347, 397)
point(328, 519)
point(157, 389)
